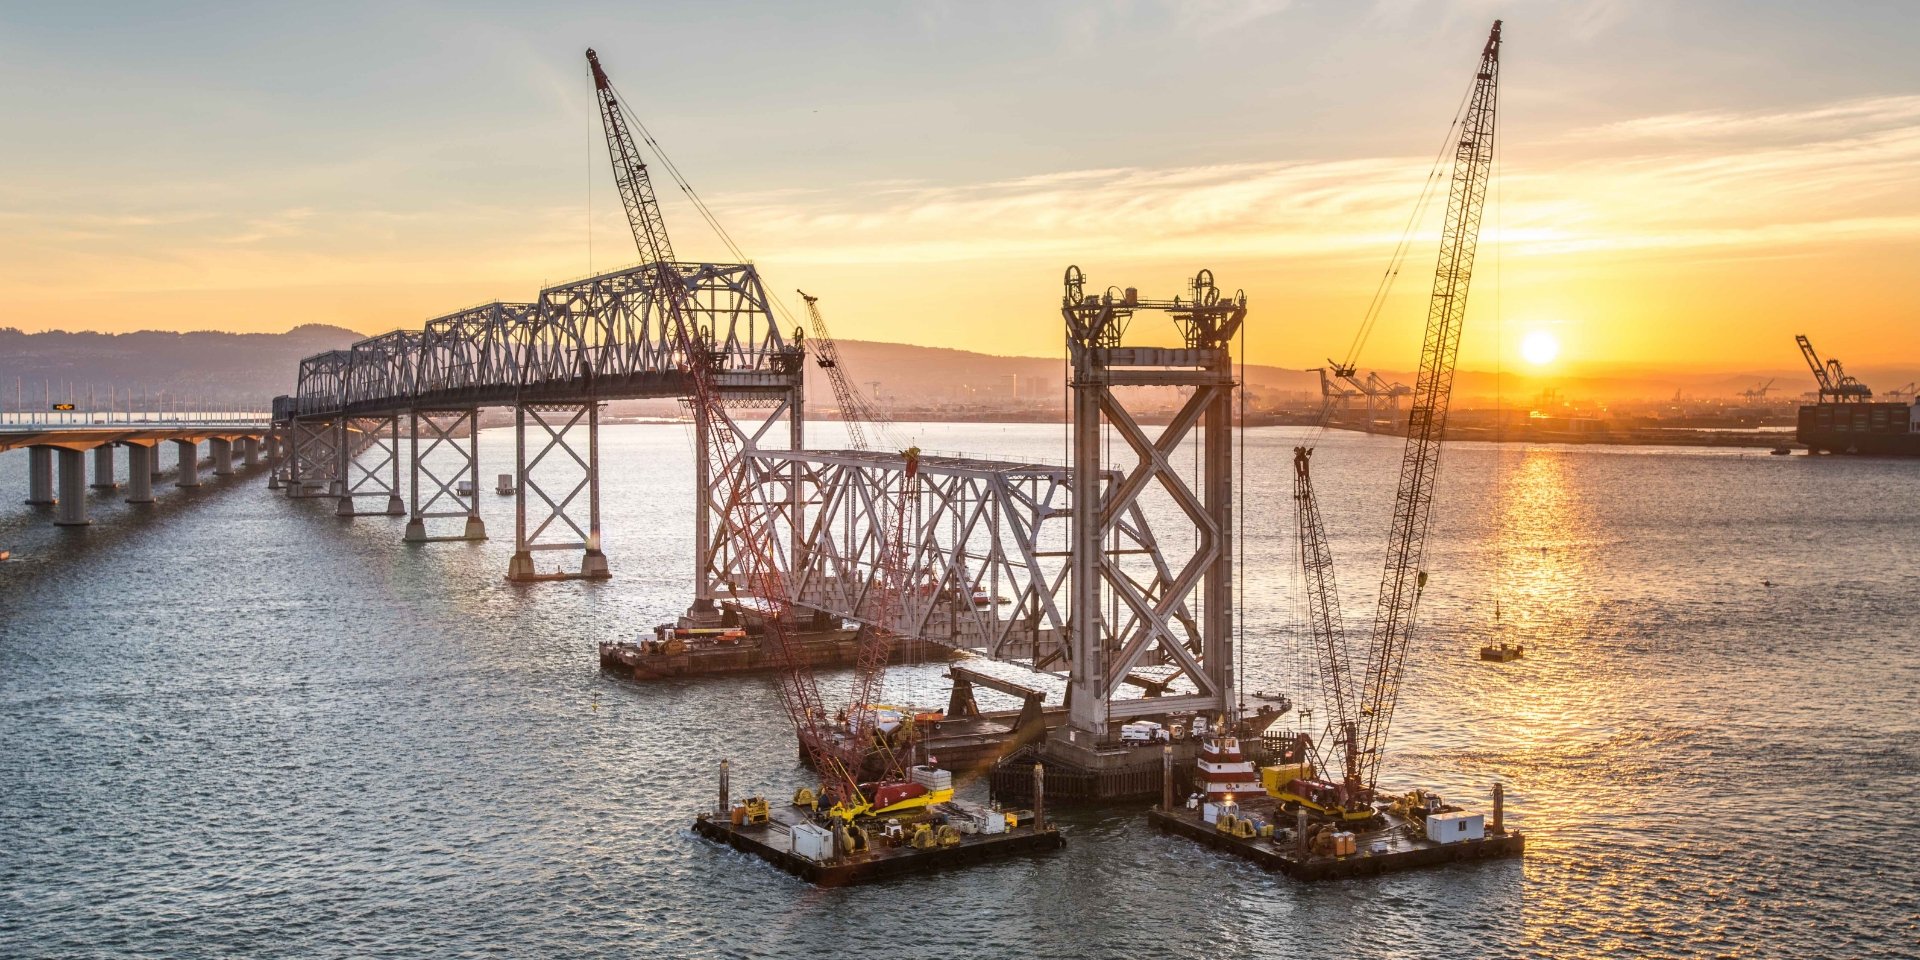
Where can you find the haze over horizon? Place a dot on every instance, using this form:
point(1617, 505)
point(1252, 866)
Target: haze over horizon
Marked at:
point(1672, 194)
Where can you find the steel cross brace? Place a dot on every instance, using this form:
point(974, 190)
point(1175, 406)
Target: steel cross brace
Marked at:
point(570, 486)
point(381, 479)
point(442, 430)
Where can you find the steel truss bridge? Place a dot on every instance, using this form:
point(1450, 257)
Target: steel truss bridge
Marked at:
point(1037, 542)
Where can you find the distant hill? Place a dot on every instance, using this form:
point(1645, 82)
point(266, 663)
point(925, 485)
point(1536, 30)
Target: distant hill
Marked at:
point(253, 367)
point(218, 367)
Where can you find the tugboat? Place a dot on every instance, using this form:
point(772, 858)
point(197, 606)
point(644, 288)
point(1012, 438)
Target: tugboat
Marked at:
point(1503, 652)
point(1221, 772)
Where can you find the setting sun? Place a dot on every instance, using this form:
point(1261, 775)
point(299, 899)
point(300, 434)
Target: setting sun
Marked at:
point(1540, 347)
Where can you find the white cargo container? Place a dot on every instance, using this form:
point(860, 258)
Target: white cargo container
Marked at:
point(813, 841)
point(1455, 827)
point(932, 779)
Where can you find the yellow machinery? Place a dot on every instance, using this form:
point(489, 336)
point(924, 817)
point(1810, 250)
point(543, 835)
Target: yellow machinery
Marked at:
point(753, 811)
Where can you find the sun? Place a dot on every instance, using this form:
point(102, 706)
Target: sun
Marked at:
point(1540, 347)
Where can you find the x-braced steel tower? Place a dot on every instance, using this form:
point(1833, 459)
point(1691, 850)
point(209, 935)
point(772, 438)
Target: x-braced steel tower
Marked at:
point(1130, 610)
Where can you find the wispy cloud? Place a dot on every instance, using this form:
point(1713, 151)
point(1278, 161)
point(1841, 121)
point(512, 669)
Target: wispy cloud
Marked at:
point(1842, 172)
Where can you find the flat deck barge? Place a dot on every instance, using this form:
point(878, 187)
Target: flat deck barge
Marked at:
point(1392, 843)
point(834, 648)
point(774, 842)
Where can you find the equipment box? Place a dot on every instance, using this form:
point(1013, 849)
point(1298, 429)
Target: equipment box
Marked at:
point(1455, 827)
point(813, 842)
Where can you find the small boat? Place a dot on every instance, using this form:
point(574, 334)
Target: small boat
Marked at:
point(1267, 695)
point(1782, 450)
point(1502, 652)
point(6, 555)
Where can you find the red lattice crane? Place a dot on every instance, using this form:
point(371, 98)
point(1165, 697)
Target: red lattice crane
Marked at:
point(751, 523)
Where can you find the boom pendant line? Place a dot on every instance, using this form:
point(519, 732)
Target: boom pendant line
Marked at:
point(752, 523)
point(1405, 576)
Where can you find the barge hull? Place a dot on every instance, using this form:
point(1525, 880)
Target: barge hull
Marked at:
point(1402, 855)
point(881, 863)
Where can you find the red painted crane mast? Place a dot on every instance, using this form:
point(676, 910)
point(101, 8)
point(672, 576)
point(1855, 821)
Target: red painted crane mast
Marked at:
point(750, 522)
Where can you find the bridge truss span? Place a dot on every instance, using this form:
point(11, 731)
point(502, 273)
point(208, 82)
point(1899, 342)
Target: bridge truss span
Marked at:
point(555, 361)
point(986, 550)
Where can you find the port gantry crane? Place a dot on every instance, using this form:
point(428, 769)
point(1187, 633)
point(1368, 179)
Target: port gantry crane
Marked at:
point(1835, 383)
point(1361, 707)
point(838, 759)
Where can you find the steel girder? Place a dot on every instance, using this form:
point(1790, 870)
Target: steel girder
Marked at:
point(1000, 527)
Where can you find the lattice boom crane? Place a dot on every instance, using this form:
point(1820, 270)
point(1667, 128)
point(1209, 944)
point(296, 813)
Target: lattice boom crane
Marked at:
point(1405, 575)
point(838, 759)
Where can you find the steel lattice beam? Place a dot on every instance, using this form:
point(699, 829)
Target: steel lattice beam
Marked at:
point(1000, 527)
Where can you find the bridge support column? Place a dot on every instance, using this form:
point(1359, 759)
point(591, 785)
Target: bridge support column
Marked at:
point(457, 464)
point(189, 463)
point(1165, 610)
point(153, 462)
point(103, 468)
point(72, 509)
point(40, 476)
point(311, 458)
point(220, 451)
point(557, 476)
point(250, 451)
point(140, 460)
point(376, 439)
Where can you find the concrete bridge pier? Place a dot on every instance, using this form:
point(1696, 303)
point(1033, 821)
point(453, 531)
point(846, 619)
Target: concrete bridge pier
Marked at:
point(250, 451)
point(140, 460)
point(220, 451)
point(103, 468)
point(189, 463)
point(72, 508)
point(40, 476)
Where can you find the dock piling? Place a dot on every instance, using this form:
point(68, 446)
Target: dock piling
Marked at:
point(1166, 776)
point(726, 786)
point(1039, 797)
point(1499, 807)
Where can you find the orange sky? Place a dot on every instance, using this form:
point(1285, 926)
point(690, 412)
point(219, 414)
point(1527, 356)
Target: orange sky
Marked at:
point(1673, 191)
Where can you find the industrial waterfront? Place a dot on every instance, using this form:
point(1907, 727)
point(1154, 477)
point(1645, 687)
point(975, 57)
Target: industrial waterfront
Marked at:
point(238, 724)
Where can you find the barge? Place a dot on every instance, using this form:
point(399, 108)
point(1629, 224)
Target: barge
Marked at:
point(682, 652)
point(1277, 820)
point(827, 851)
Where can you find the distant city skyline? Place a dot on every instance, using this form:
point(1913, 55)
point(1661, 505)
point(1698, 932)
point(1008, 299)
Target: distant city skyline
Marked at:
point(1679, 188)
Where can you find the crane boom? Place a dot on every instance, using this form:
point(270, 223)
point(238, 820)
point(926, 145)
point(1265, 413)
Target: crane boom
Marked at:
point(1813, 363)
point(750, 523)
point(856, 413)
point(1323, 597)
point(1404, 576)
point(630, 173)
